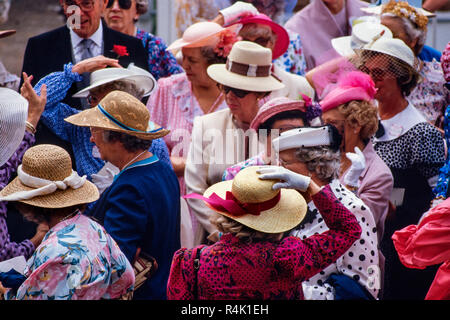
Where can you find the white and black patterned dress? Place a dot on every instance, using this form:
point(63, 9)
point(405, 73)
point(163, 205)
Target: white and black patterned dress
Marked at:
point(360, 262)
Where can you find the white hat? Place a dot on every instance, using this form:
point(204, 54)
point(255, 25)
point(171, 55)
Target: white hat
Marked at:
point(307, 137)
point(362, 34)
point(393, 47)
point(248, 67)
point(13, 114)
point(142, 78)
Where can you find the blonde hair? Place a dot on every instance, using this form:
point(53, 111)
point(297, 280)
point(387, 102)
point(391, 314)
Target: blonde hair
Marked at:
point(361, 113)
point(244, 233)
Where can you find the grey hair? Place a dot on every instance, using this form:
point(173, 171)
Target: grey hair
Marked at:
point(121, 85)
point(244, 233)
point(411, 31)
point(141, 6)
point(321, 160)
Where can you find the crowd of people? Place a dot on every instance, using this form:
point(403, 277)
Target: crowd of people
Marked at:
point(268, 153)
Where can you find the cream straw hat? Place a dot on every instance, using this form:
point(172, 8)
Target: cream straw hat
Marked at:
point(13, 114)
point(121, 112)
point(46, 179)
point(248, 67)
point(282, 209)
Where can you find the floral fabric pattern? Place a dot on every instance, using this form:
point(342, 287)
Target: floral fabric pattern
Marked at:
point(232, 171)
point(76, 260)
point(293, 60)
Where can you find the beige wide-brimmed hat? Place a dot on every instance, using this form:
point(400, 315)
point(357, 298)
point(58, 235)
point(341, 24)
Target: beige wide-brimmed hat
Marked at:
point(200, 34)
point(46, 179)
point(141, 78)
point(248, 67)
point(119, 111)
point(282, 209)
point(13, 114)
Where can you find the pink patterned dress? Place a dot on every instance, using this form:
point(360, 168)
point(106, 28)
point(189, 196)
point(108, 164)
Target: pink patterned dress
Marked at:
point(232, 269)
point(174, 106)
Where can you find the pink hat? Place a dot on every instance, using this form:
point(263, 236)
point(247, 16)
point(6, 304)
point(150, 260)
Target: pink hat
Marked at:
point(445, 62)
point(278, 105)
point(354, 85)
point(282, 43)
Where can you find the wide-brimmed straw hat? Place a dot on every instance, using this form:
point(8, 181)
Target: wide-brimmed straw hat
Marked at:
point(282, 42)
point(141, 78)
point(121, 112)
point(46, 179)
point(13, 114)
point(253, 203)
point(248, 67)
point(200, 34)
point(362, 34)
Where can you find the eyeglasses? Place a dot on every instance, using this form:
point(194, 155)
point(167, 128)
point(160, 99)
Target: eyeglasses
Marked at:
point(237, 92)
point(85, 5)
point(123, 4)
point(376, 73)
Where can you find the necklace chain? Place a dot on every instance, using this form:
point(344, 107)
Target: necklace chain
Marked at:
point(70, 215)
point(129, 162)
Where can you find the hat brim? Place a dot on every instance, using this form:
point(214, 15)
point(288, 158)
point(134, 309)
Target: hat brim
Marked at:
point(147, 84)
point(220, 74)
point(342, 45)
point(59, 199)
point(266, 115)
point(95, 118)
point(377, 10)
point(360, 51)
point(6, 33)
point(284, 216)
point(282, 42)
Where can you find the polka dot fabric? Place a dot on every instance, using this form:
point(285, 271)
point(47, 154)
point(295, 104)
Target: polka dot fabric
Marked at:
point(232, 269)
point(358, 261)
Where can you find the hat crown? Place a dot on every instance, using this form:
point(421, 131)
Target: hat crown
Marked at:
point(47, 162)
point(126, 109)
point(395, 48)
point(250, 53)
point(248, 188)
point(201, 30)
point(109, 74)
point(364, 32)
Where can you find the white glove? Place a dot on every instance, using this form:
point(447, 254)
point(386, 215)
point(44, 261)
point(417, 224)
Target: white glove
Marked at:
point(238, 11)
point(290, 180)
point(105, 177)
point(357, 167)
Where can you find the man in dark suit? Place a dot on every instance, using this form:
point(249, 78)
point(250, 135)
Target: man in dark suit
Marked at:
point(50, 51)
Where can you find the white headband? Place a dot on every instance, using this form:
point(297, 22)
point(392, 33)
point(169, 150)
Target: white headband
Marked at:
point(43, 186)
point(303, 137)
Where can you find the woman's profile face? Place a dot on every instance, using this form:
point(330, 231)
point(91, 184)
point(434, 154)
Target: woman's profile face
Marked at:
point(384, 78)
point(243, 109)
point(195, 65)
point(288, 160)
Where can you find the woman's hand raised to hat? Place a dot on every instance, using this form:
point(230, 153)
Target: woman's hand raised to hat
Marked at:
point(36, 103)
point(236, 12)
point(357, 167)
point(95, 63)
point(289, 179)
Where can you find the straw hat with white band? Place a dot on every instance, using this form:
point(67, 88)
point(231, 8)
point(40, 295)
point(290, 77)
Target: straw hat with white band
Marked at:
point(121, 112)
point(141, 78)
point(248, 67)
point(45, 179)
point(253, 203)
point(362, 34)
point(13, 115)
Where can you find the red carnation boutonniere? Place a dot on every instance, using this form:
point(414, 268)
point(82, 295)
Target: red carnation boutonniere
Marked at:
point(120, 51)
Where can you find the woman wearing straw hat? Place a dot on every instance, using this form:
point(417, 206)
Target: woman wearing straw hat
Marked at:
point(106, 76)
point(122, 16)
point(77, 259)
point(18, 115)
point(315, 152)
point(253, 259)
point(141, 209)
point(276, 116)
point(410, 146)
point(218, 139)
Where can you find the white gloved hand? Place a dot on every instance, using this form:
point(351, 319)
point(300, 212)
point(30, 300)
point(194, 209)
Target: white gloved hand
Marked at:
point(357, 167)
point(289, 179)
point(104, 178)
point(238, 11)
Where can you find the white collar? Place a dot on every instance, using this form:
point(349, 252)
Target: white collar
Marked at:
point(97, 37)
point(399, 124)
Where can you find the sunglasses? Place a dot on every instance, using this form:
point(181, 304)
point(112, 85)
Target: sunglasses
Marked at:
point(237, 92)
point(123, 4)
point(85, 5)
